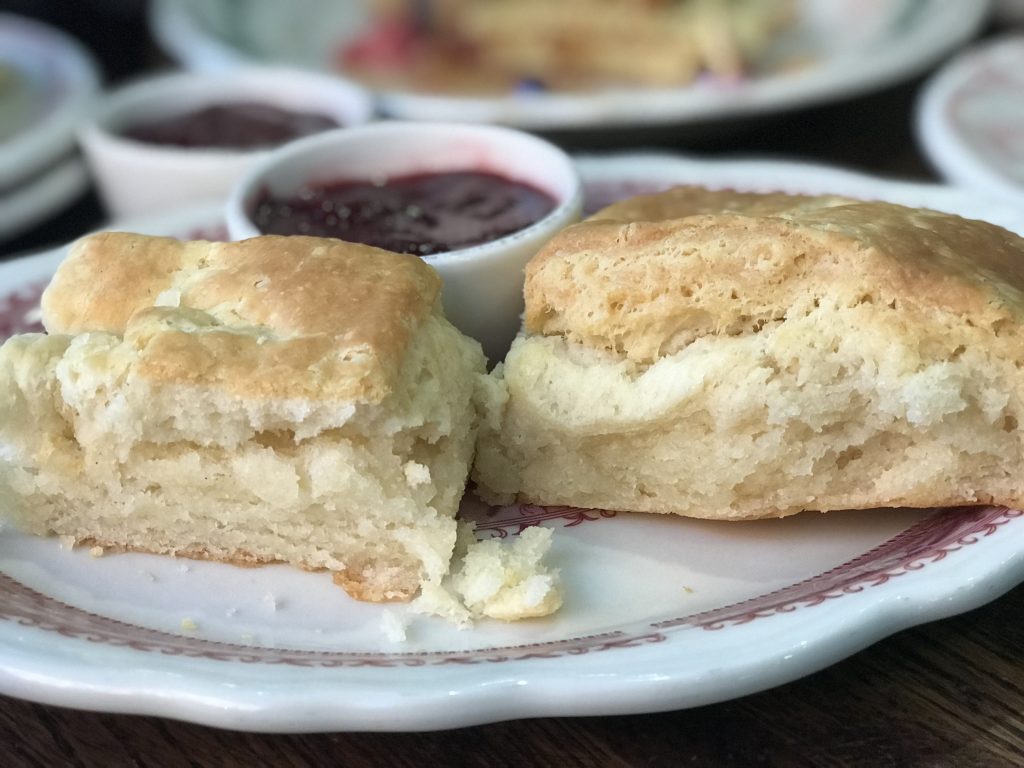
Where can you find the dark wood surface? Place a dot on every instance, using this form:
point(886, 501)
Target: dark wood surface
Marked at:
point(950, 693)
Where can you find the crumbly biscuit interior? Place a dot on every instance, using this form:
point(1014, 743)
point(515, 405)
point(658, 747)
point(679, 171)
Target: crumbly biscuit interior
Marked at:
point(833, 406)
point(367, 490)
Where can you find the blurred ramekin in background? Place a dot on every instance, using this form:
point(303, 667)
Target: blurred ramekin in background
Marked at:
point(137, 177)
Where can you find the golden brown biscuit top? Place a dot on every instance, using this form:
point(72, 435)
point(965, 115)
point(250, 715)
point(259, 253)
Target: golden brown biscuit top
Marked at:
point(647, 276)
point(269, 317)
point(680, 202)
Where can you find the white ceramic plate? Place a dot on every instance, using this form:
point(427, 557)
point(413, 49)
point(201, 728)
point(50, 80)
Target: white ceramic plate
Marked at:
point(49, 81)
point(40, 197)
point(857, 46)
point(660, 613)
point(971, 119)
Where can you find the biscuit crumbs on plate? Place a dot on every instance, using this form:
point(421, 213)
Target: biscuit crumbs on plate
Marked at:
point(394, 626)
point(498, 579)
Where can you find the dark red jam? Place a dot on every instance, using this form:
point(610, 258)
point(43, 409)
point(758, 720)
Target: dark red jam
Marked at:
point(231, 126)
point(420, 214)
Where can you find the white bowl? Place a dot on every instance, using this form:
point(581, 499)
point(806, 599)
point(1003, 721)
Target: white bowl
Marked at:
point(483, 284)
point(136, 177)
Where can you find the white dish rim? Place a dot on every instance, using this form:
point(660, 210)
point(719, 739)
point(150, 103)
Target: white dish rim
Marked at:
point(30, 150)
point(33, 201)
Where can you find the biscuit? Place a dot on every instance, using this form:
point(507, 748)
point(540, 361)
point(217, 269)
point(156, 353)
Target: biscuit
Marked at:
point(737, 356)
point(274, 400)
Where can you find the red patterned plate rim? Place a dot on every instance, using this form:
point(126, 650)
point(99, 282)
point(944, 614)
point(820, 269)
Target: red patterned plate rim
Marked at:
point(929, 541)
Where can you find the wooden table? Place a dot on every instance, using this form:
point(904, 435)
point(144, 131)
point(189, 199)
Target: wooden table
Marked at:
point(950, 693)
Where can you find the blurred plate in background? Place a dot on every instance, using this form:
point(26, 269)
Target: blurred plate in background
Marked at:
point(849, 46)
point(660, 613)
point(971, 119)
point(45, 194)
point(47, 83)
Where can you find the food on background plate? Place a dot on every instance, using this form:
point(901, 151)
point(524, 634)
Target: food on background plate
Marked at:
point(421, 214)
point(737, 356)
point(278, 399)
point(492, 46)
point(230, 126)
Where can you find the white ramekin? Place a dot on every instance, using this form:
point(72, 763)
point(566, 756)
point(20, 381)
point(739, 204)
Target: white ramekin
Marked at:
point(135, 177)
point(483, 284)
